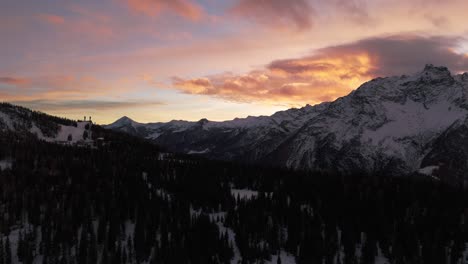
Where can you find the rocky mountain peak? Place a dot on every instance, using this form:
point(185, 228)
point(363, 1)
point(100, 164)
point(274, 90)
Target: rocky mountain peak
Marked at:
point(435, 74)
point(203, 121)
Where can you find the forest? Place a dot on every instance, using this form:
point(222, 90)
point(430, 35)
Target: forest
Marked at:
point(128, 201)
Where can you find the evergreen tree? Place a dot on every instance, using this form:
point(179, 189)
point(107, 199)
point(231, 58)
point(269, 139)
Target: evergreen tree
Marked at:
point(8, 258)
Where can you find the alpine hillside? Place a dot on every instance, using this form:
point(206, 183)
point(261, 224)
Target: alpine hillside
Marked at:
point(395, 125)
point(21, 120)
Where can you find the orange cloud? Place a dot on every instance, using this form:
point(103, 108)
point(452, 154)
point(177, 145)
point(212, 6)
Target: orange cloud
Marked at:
point(184, 8)
point(330, 72)
point(293, 82)
point(52, 19)
point(63, 87)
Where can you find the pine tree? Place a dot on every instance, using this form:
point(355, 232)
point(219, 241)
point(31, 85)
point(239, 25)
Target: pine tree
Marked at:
point(2, 251)
point(20, 247)
point(7, 251)
point(278, 259)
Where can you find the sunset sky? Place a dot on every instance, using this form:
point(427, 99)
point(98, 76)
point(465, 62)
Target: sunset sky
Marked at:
point(158, 60)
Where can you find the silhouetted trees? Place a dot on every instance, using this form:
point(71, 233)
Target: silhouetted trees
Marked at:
point(128, 202)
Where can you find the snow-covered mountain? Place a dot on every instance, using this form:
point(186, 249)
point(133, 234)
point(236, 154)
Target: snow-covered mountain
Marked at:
point(399, 124)
point(248, 139)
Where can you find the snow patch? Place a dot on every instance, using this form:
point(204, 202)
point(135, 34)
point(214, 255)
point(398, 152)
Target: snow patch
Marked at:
point(199, 152)
point(428, 170)
point(244, 193)
point(6, 119)
point(232, 241)
point(411, 118)
point(76, 133)
point(286, 258)
point(154, 135)
point(6, 164)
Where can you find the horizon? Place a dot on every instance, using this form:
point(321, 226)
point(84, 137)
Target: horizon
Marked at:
point(158, 60)
point(134, 119)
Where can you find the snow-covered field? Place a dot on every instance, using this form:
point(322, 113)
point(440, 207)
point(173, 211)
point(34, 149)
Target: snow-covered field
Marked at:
point(75, 134)
point(5, 164)
point(429, 171)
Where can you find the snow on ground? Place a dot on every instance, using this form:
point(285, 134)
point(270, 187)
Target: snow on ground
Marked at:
point(214, 217)
point(164, 155)
point(129, 229)
point(218, 215)
point(232, 240)
point(163, 194)
point(76, 132)
point(5, 164)
point(6, 119)
point(429, 170)
point(13, 236)
point(37, 131)
point(286, 258)
point(464, 256)
point(244, 193)
point(411, 118)
point(250, 121)
point(63, 133)
point(380, 258)
point(154, 135)
point(199, 152)
point(195, 213)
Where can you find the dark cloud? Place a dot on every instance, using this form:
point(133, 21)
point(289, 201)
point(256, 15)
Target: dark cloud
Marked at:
point(299, 14)
point(277, 13)
point(356, 10)
point(403, 54)
point(14, 81)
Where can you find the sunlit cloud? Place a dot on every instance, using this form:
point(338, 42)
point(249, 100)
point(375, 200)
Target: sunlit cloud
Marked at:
point(262, 53)
point(329, 72)
point(54, 105)
point(63, 87)
point(52, 19)
point(184, 8)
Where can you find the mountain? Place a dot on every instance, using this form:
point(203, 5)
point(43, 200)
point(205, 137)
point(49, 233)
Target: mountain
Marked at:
point(21, 120)
point(115, 198)
point(248, 138)
point(393, 125)
point(123, 202)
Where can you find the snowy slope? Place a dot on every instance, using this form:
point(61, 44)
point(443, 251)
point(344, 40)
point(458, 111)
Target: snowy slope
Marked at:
point(387, 125)
point(387, 122)
point(248, 138)
point(21, 120)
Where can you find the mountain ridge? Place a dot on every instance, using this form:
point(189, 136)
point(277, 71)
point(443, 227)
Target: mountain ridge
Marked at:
point(387, 125)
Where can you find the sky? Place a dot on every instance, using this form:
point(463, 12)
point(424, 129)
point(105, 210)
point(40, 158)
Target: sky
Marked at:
point(160, 60)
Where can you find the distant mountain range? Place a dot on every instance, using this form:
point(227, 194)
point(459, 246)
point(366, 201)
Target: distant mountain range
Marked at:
point(416, 124)
point(395, 125)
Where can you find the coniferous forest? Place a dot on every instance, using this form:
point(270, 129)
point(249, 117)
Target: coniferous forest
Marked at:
point(128, 201)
